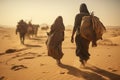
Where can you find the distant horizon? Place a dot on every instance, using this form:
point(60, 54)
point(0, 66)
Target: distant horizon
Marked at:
point(10, 26)
point(46, 11)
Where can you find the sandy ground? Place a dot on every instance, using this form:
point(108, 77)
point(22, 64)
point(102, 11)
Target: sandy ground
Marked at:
point(30, 61)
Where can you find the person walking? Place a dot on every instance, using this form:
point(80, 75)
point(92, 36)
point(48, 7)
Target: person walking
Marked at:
point(82, 44)
point(55, 39)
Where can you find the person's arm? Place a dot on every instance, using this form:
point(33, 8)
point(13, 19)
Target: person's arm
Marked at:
point(74, 30)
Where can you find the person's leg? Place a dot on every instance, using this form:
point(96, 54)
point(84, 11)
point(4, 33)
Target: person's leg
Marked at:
point(60, 53)
point(23, 38)
point(84, 50)
point(94, 44)
point(82, 46)
point(78, 45)
point(79, 51)
point(20, 35)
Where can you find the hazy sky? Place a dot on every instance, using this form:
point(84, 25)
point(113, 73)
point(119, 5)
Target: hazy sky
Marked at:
point(46, 11)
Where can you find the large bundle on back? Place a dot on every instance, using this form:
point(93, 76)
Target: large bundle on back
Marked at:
point(86, 28)
point(98, 27)
point(91, 28)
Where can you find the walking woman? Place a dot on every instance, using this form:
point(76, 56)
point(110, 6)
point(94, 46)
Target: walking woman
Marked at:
point(82, 45)
point(55, 39)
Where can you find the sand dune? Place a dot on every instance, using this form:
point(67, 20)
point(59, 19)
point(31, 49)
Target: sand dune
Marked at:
point(30, 61)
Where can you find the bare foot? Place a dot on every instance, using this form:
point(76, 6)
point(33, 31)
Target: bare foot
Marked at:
point(83, 62)
point(58, 61)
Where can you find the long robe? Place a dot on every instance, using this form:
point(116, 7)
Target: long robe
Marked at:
point(54, 41)
point(82, 44)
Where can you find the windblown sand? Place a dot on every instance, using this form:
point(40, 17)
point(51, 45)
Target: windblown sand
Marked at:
point(30, 61)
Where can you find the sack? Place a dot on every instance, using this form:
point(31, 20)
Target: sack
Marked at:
point(86, 29)
point(91, 28)
point(98, 27)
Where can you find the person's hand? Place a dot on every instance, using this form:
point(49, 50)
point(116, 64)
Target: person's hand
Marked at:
point(72, 39)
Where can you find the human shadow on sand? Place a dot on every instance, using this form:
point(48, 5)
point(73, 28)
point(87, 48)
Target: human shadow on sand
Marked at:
point(89, 73)
point(110, 75)
point(32, 45)
point(35, 39)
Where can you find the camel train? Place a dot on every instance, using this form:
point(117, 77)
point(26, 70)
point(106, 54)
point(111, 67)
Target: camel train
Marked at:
point(28, 29)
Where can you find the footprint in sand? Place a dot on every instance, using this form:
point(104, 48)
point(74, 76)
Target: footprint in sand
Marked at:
point(98, 55)
point(42, 64)
point(39, 55)
point(26, 58)
point(30, 55)
point(113, 70)
point(18, 67)
point(43, 53)
point(62, 72)
point(45, 72)
point(109, 55)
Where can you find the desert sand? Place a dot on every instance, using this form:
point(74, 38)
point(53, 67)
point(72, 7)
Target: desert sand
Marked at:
point(30, 61)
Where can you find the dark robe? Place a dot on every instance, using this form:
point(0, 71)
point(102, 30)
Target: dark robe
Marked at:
point(22, 29)
point(54, 41)
point(82, 44)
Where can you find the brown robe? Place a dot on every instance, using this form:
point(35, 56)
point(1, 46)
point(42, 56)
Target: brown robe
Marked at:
point(55, 38)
